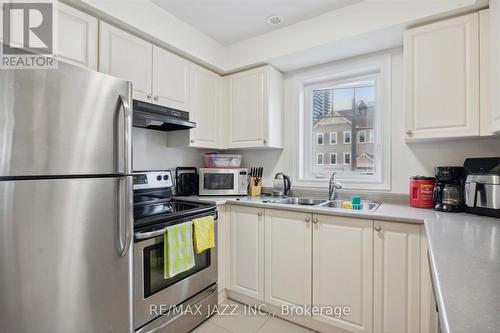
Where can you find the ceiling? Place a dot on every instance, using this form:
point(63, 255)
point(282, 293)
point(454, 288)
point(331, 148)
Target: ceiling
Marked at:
point(232, 21)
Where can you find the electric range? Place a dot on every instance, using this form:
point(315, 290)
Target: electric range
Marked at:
point(154, 211)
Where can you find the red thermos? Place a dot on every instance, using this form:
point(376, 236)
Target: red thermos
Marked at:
point(421, 189)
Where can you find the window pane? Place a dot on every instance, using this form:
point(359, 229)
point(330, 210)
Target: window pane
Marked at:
point(362, 136)
point(333, 138)
point(344, 115)
point(320, 138)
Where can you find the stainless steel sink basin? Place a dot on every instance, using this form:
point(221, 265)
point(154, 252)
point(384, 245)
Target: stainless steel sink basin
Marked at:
point(300, 201)
point(365, 206)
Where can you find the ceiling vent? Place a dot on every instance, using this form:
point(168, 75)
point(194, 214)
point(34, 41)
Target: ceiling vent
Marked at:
point(275, 20)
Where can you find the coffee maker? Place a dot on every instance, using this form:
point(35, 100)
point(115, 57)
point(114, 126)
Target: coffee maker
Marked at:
point(448, 193)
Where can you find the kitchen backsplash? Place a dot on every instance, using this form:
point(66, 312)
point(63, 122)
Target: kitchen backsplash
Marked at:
point(151, 152)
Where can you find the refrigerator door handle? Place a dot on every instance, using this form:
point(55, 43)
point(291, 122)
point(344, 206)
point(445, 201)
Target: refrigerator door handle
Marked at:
point(124, 149)
point(125, 215)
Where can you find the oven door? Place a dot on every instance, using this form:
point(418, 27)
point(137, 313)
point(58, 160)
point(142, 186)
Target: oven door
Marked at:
point(152, 292)
point(219, 182)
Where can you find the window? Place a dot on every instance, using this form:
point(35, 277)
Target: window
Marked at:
point(362, 137)
point(333, 138)
point(371, 136)
point(319, 139)
point(333, 158)
point(348, 106)
point(347, 158)
point(319, 159)
point(347, 137)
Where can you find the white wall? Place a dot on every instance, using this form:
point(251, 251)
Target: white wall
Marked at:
point(407, 159)
point(366, 26)
point(150, 152)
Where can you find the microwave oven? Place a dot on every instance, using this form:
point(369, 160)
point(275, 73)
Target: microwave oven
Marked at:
point(222, 181)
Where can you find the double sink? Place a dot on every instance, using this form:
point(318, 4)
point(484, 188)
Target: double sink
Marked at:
point(366, 206)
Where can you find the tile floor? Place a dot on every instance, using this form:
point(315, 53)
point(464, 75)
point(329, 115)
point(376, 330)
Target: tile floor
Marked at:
point(241, 322)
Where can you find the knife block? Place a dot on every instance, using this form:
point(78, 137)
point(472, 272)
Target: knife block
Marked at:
point(254, 190)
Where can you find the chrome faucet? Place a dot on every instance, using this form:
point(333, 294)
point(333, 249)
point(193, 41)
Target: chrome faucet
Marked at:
point(333, 187)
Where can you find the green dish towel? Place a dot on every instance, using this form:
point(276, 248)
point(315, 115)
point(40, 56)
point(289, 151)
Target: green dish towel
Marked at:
point(178, 249)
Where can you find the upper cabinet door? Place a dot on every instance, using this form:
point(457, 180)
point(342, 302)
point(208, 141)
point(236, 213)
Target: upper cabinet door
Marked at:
point(125, 56)
point(204, 107)
point(495, 65)
point(77, 37)
point(442, 79)
point(170, 80)
point(343, 270)
point(486, 115)
point(396, 304)
point(247, 108)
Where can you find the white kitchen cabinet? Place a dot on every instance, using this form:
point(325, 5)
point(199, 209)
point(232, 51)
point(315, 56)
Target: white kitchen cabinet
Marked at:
point(77, 37)
point(247, 251)
point(442, 79)
point(494, 37)
point(170, 80)
point(128, 57)
point(204, 109)
point(288, 252)
point(255, 108)
point(428, 312)
point(397, 266)
point(486, 115)
point(343, 270)
point(223, 246)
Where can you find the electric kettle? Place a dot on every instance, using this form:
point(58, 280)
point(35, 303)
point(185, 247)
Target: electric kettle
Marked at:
point(282, 185)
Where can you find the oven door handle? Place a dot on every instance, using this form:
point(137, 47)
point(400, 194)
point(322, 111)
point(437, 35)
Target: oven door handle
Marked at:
point(159, 232)
point(150, 234)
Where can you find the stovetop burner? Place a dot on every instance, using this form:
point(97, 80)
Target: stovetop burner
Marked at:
point(153, 203)
point(169, 207)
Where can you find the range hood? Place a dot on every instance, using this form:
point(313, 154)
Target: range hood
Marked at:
point(161, 118)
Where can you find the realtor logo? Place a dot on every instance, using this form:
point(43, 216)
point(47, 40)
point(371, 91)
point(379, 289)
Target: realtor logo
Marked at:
point(28, 34)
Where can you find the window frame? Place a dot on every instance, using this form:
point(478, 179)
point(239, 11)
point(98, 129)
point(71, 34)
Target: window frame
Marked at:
point(371, 136)
point(318, 135)
point(336, 156)
point(347, 133)
point(322, 158)
point(359, 136)
point(350, 158)
point(336, 138)
point(378, 66)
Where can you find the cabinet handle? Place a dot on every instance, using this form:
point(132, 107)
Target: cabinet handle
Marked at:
point(156, 97)
point(264, 141)
point(308, 220)
point(378, 228)
point(409, 133)
point(259, 213)
point(192, 141)
point(148, 96)
point(315, 220)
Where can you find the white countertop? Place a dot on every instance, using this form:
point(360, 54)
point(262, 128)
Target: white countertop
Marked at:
point(464, 251)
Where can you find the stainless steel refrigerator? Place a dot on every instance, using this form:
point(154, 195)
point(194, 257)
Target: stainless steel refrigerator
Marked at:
point(66, 216)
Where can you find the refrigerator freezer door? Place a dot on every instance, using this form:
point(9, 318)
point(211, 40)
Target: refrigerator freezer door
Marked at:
point(65, 121)
point(62, 264)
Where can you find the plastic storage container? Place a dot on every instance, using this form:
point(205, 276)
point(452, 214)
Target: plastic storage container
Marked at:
point(213, 160)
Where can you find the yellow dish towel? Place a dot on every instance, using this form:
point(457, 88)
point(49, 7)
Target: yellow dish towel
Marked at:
point(204, 233)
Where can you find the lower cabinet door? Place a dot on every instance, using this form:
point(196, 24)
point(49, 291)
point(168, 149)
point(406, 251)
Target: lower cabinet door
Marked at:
point(287, 258)
point(396, 277)
point(343, 271)
point(223, 248)
point(247, 251)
